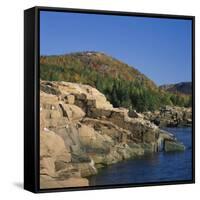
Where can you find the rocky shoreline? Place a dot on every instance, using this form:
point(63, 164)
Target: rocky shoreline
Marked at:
point(170, 116)
point(80, 131)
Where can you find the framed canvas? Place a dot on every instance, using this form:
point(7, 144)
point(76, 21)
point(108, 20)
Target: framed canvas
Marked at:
point(108, 99)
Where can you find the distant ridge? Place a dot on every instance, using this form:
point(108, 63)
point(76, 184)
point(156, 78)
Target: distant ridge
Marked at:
point(182, 88)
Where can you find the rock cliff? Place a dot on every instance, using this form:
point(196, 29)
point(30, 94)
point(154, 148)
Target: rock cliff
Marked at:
point(80, 131)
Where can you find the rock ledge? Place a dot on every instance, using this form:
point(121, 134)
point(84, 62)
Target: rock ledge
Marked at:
point(80, 131)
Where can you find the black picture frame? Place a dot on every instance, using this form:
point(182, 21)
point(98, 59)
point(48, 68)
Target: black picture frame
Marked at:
point(32, 97)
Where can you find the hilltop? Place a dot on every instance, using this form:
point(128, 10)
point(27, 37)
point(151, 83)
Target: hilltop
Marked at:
point(98, 62)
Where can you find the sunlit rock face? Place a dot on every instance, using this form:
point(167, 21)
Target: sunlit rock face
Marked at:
point(80, 131)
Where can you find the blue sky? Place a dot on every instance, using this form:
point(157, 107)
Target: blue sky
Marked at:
point(159, 48)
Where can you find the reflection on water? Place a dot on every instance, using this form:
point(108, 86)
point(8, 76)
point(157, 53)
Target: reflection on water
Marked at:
point(154, 167)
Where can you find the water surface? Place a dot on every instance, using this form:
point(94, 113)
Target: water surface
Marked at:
point(157, 167)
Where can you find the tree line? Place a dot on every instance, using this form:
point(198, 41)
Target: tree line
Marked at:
point(121, 93)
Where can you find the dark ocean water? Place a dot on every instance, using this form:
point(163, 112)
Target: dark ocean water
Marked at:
point(156, 167)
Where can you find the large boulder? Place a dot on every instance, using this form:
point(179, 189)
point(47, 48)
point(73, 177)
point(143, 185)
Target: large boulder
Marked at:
point(52, 149)
point(52, 145)
point(84, 93)
point(72, 112)
point(171, 146)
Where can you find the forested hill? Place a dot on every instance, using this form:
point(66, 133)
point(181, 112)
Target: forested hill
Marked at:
point(123, 85)
point(182, 88)
point(95, 62)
